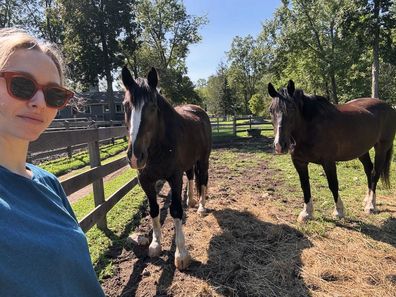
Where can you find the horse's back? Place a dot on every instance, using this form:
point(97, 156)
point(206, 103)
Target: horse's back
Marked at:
point(378, 110)
point(197, 131)
point(351, 130)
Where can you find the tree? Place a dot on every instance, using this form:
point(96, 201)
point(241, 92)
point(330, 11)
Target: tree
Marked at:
point(97, 32)
point(373, 23)
point(246, 66)
point(168, 31)
point(256, 104)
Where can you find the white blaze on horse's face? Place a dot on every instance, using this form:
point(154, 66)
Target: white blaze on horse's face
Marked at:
point(136, 118)
point(278, 125)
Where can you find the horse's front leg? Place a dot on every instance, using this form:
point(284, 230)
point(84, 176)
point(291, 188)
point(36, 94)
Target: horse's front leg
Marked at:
point(331, 174)
point(150, 190)
point(302, 170)
point(182, 257)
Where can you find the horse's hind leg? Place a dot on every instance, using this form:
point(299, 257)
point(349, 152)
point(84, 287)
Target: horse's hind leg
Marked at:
point(302, 170)
point(331, 174)
point(190, 188)
point(201, 180)
point(368, 169)
point(182, 257)
point(150, 190)
point(382, 150)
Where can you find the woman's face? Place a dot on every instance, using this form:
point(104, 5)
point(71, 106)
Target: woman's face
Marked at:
point(26, 120)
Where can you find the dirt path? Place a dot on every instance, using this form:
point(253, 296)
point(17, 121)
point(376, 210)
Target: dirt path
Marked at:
point(249, 244)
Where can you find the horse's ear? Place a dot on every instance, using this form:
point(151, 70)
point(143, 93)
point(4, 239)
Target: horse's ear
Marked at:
point(127, 78)
point(290, 87)
point(271, 91)
point(298, 98)
point(152, 78)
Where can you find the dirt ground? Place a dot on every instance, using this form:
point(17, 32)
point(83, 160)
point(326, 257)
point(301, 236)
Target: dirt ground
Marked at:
point(247, 246)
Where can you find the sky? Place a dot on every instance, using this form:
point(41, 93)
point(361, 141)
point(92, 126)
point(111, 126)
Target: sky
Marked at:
point(227, 19)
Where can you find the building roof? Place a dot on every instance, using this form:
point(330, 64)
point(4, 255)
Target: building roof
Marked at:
point(96, 97)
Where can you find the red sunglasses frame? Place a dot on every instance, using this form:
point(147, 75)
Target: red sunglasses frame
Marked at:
point(8, 75)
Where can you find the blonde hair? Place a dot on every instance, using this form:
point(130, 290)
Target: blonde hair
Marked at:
point(12, 39)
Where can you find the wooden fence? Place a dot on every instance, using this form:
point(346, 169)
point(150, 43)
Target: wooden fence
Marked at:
point(61, 139)
point(239, 124)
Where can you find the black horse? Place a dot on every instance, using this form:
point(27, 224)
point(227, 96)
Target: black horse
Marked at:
point(165, 142)
point(319, 132)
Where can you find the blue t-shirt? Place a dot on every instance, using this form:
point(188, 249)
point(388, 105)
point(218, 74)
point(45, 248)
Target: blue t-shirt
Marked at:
point(43, 251)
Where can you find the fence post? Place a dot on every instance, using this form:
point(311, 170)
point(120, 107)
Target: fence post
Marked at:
point(218, 123)
point(250, 121)
point(69, 149)
point(112, 139)
point(98, 189)
point(234, 126)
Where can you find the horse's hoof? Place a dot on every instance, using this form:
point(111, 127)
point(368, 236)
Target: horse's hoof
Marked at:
point(371, 210)
point(304, 217)
point(182, 260)
point(154, 250)
point(337, 215)
point(201, 211)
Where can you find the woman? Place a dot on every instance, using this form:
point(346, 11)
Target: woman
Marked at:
point(43, 251)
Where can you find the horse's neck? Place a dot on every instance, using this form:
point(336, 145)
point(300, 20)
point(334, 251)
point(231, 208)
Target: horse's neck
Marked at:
point(169, 123)
point(299, 132)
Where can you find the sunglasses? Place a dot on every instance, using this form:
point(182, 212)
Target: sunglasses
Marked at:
point(23, 87)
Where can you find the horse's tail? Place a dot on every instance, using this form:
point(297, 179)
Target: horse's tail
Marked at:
point(198, 179)
point(201, 175)
point(385, 174)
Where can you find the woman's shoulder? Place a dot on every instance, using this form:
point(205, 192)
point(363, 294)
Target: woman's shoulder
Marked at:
point(39, 172)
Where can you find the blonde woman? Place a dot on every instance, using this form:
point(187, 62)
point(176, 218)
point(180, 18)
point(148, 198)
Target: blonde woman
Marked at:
point(43, 251)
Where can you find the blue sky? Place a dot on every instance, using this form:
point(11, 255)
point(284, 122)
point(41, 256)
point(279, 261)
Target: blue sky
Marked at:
point(227, 19)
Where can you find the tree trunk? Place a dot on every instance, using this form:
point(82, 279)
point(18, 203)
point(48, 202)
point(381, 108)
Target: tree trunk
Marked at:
point(334, 88)
point(375, 65)
point(109, 77)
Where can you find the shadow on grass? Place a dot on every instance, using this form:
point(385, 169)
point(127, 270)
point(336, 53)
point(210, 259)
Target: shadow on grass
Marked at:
point(118, 241)
point(386, 233)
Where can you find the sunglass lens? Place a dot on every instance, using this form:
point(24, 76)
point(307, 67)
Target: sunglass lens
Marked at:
point(56, 97)
point(22, 88)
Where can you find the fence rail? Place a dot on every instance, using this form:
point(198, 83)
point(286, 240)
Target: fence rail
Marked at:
point(92, 137)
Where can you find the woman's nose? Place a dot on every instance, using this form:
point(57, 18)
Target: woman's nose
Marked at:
point(38, 100)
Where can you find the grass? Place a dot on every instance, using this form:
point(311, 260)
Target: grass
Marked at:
point(121, 219)
point(80, 160)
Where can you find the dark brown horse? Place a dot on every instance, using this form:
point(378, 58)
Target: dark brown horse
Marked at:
point(319, 132)
point(165, 142)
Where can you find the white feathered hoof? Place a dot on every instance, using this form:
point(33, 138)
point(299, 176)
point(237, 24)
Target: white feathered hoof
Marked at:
point(304, 217)
point(182, 260)
point(201, 211)
point(370, 209)
point(338, 214)
point(154, 250)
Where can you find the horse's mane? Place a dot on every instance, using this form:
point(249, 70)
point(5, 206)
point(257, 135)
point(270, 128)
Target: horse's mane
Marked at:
point(314, 105)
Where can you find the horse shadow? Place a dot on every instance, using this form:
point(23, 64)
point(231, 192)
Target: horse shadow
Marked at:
point(248, 257)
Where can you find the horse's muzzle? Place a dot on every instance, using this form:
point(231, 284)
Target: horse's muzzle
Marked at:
point(137, 163)
point(280, 149)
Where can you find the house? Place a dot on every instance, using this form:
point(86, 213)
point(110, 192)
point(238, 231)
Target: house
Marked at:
point(96, 107)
